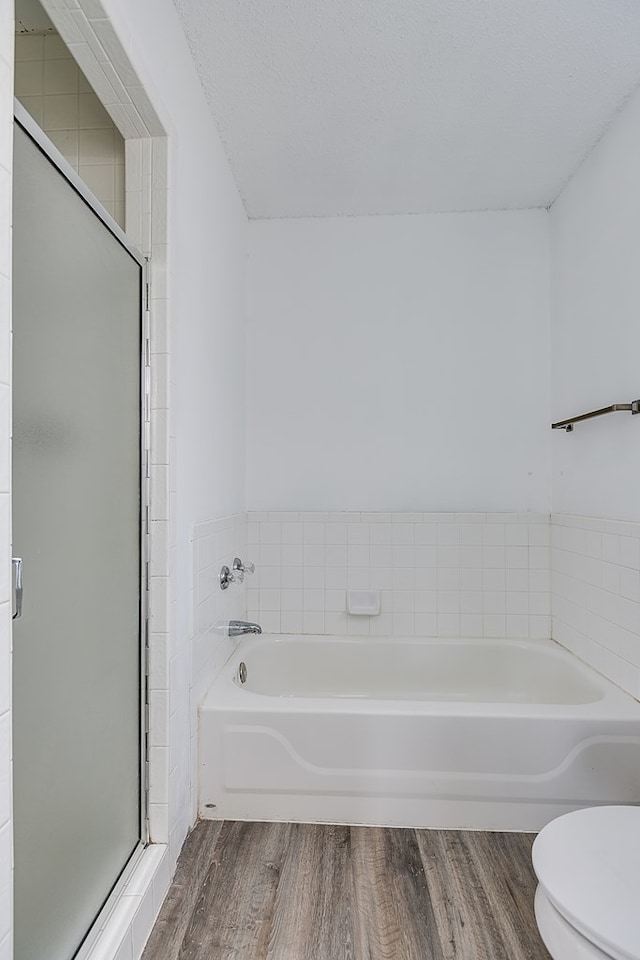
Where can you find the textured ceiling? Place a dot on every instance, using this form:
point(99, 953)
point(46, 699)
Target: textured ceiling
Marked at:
point(347, 107)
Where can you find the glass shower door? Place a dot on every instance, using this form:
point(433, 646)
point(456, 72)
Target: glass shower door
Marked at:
point(76, 525)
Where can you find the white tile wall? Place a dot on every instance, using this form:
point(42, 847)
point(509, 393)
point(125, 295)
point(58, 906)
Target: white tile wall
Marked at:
point(439, 574)
point(51, 86)
point(6, 134)
point(214, 543)
point(596, 594)
point(146, 161)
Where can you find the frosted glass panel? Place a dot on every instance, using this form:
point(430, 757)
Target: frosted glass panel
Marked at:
point(76, 303)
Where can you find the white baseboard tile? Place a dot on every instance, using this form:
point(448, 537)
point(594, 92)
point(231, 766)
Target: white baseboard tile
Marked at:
point(128, 926)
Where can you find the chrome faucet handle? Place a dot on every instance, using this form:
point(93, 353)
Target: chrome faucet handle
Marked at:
point(236, 575)
point(241, 568)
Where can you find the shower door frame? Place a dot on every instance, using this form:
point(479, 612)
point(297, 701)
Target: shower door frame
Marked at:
point(53, 155)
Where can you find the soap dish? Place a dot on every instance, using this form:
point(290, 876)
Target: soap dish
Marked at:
point(363, 603)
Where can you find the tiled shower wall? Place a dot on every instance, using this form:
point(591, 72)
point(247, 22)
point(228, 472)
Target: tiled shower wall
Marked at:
point(214, 543)
point(51, 86)
point(596, 594)
point(439, 574)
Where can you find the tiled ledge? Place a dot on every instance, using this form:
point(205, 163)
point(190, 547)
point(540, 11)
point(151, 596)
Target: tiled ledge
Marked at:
point(355, 516)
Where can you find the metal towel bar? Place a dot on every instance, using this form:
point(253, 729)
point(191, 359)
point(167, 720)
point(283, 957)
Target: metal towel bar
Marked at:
point(567, 425)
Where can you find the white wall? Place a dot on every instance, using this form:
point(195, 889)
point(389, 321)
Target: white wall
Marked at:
point(6, 138)
point(399, 363)
point(595, 308)
point(595, 255)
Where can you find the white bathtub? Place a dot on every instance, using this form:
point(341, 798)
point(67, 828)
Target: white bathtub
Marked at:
point(480, 734)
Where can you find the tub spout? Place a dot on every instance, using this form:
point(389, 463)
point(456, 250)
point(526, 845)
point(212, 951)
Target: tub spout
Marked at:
point(238, 627)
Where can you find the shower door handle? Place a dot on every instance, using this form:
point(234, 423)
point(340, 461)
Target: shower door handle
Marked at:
point(16, 564)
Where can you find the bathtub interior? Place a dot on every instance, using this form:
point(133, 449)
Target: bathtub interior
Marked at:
point(472, 671)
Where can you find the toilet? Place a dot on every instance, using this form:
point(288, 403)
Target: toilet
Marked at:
point(588, 899)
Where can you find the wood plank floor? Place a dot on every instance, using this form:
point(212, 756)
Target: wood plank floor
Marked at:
point(287, 891)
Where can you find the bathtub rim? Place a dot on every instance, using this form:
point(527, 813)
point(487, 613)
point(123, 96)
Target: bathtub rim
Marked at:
point(226, 694)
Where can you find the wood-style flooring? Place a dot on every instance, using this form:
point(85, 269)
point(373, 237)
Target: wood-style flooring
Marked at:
point(287, 891)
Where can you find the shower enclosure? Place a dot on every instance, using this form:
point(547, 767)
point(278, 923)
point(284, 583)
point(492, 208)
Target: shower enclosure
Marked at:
point(77, 521)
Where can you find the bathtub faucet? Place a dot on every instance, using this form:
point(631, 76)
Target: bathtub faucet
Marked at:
point(238, 627)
